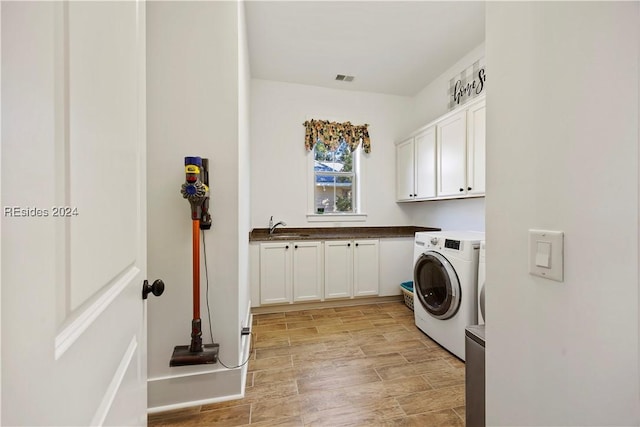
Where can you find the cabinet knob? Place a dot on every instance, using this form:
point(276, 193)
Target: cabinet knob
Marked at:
point(295, 247)
point(468, 188)
point(348, 245)
point(462, 189)
point(286, 247)
point(357, 244)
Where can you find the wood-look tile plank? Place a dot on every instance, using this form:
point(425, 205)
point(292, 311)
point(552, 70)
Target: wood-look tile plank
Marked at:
point(432, 400)
point(281, 422)
point(375, 361)
point(271, 376)
point(331, 353)
point(232, 416)
point(346, 326)
point(270, 327)
point(283, 361)
point(426, 353)
point(392, 347)
point(361, 395)
point(443, 418)
point(391, 372)
point(271, 391)
point(307, 385)
point(445, 377)
point(319, 322)
point(406, 385)
point(461, 411)
point(273, 409)
point(371, 414)
point(193, 410)
point(271, 343)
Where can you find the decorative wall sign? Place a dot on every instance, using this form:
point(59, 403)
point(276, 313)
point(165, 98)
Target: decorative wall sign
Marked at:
point(468, 84)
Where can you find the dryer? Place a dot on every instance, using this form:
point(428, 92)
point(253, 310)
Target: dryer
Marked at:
point(445, 285)
point(481, 279)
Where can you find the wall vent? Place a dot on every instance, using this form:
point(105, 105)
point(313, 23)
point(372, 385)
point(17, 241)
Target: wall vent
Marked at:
point(344, 78)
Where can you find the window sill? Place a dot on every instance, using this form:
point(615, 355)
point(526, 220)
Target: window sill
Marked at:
point(333, 217)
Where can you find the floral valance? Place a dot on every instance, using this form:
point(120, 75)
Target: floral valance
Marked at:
point(332, 134)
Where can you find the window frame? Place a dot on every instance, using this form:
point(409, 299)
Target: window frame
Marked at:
point(357, 198)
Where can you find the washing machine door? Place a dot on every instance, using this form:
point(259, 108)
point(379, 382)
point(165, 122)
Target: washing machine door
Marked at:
point(436, 283)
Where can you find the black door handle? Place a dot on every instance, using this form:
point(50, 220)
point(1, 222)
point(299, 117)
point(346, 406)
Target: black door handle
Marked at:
point(156, 289)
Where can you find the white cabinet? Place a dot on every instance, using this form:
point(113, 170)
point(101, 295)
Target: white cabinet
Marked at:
point(307, 271)
point(452, 155)
point(476, 148)
point(445, 159)
point(275, 273)
point(290, 272)
point(366, 272)
point(405, 170)
point(351, 268)
point(416, 167)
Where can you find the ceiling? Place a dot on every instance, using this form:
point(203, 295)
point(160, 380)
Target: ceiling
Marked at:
point(392, 47)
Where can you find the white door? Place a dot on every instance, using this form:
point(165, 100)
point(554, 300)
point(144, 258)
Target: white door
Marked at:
point(275, 273)
point(366, 273)
point(425, 186)
point(452, 149)
point(338, 269)
point(73, 224)
point(476, 147)
point(405, 172)
point(307, 271)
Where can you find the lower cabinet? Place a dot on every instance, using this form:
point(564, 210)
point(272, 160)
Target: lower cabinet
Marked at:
point(351, 268)
point(291, 272)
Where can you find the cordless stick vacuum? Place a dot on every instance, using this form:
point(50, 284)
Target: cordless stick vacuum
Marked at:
point(196, 191)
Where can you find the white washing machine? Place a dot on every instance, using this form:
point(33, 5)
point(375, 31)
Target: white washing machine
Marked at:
point(481, 279)
point(445, 286)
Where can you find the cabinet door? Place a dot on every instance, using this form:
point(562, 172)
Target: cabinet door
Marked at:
point(275, 273)
point(425, 164)
point(476, 125)
point(366, 277)
point(338, 269)
point(307, 271)
point(452, 153)
point(405, 172)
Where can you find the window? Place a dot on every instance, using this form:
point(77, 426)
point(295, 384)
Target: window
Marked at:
point(335, 179)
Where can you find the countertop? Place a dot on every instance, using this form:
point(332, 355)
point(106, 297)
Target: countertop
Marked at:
point(334, 233)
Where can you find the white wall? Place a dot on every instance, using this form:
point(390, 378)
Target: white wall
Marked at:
point(429, 104)
point(279, 165)
point(194, 108)
point(562, 154)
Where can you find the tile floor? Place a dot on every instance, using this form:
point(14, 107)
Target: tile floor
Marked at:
point(364, 365)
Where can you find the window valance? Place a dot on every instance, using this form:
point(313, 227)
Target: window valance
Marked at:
point(333, 133)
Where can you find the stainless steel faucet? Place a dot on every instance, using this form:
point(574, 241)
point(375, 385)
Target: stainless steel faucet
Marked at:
point(272, 227)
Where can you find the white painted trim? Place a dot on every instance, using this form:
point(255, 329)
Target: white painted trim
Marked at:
point(187, 374)
point(336, 217)
point(193, 403)
point(67, 336)
point(114, 385)
point(0, 221)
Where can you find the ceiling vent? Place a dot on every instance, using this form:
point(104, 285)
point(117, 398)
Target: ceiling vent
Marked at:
point(343, 78)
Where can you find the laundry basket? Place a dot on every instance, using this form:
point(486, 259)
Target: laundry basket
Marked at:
point(407, 293)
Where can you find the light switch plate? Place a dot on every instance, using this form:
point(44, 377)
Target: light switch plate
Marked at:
point(541, 242)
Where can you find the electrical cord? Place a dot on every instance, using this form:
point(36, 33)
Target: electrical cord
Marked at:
point(206, 275)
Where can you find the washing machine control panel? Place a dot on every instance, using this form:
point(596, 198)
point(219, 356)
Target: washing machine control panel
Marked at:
point(434, 241)
point(452, 244)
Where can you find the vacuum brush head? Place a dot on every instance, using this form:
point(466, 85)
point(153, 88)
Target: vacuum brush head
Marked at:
point(182, 356)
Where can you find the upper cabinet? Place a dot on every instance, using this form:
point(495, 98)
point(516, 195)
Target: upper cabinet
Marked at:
point(476, 160)
point(415, 166)
point(445, 159)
